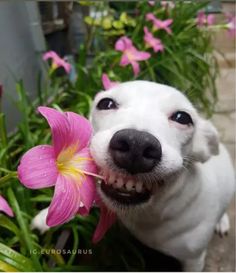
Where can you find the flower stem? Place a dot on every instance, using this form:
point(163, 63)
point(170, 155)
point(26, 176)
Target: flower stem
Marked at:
point(151, 71)
point(24, 229)
point(8, 177)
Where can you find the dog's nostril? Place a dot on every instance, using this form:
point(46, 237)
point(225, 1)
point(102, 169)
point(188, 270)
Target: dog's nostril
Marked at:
point(152, 152)
point(120, 145)
point(136, 151)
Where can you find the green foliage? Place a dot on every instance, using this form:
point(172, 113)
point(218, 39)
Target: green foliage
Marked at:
point(187, 63)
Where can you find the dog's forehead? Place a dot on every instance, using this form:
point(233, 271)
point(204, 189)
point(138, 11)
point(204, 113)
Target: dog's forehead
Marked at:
point(144, 91)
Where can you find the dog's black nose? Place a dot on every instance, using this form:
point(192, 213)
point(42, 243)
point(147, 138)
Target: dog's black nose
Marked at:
point(135, 151)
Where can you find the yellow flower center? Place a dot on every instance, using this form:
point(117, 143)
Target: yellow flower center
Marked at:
point(130, 55)
point(71, 164)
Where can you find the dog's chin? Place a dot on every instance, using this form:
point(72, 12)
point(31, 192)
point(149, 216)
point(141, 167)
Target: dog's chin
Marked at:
point(126, 191)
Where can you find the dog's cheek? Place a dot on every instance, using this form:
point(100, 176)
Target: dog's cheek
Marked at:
point(172, 160)
point(99, 147)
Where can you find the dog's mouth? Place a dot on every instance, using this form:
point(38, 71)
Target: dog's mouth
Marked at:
point(126, 190)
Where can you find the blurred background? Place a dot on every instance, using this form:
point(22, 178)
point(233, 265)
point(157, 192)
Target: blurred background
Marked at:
point(78, 30)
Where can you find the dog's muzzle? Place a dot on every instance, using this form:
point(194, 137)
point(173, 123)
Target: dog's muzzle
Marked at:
point(135, 151)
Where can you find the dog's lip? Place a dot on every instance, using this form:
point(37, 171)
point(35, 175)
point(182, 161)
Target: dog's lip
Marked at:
point(124, 196)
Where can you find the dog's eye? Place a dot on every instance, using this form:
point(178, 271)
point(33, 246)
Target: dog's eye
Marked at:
point(182, 118)
point(106, 104)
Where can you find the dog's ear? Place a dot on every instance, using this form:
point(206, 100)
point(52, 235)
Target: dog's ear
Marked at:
point(205, 141)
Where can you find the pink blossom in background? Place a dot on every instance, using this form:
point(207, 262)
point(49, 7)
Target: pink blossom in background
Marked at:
point(107, 83)
point(130, 54)
point(151, 3)
point(159, 24)
point(66, 164)
point(151, 41)
point(57, 61)
point(168, 4)
point(205, 20)
point(231, 24)
point(4, 207)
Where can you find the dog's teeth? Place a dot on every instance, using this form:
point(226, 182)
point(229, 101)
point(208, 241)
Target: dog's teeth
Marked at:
point(111, 179)
point(129, 185)
point(139, 186)
point(119, 183)
point(99, 181)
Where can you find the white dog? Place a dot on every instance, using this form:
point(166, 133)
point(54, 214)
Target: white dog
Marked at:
point(166, 175)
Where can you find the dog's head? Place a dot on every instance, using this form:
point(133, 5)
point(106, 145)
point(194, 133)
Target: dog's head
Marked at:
point(144, 136)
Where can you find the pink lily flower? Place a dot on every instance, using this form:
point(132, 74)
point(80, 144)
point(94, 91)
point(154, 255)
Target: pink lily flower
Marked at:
point(231, 24)
point(107, 83)
point(107, 219)
point(159, 24)
point(130, 54)
point(57, 61)
point(205, 20)
point(151, 41)
point(5, 207)
point(67, 165)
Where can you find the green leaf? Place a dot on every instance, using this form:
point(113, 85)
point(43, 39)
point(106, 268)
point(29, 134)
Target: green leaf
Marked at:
point(7, 268)
point(15, 259)
point(8, 224)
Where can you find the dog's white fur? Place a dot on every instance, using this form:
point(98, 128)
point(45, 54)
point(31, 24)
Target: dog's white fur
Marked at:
point(182, 214)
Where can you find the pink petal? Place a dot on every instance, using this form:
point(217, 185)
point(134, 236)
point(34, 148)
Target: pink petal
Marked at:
point(210, 19)
point(146, 30)
point(201, 18)
point(65, 203)
point(151, 3)
point(83, 161)
point(124, 60)
point(60, 128)
point(167, 22)
point(141, 56)
point(136, 68)
point(107, 219)
point(68, 129)
point(120, 45)
point(5, 207)
point(87, 184)
point(50, 55)
point(37, 168)
point(66, 66)
point(123, 43)
point(88, 191)
point(107, 83)
point(150, 17)
point(80, 130)
point(61, 62)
